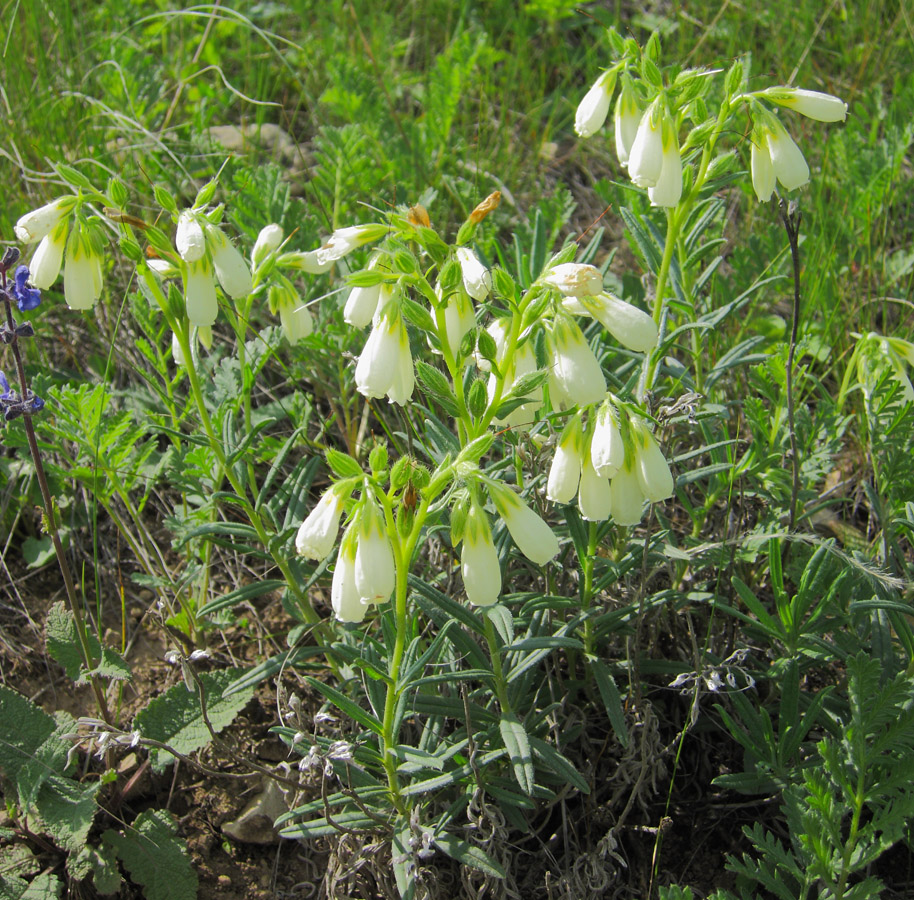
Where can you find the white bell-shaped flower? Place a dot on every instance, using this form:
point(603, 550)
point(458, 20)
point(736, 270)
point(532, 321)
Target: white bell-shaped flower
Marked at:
point(593, 109)
point(317, 534)
point(385, 366)
point(268, 240)
point(231, 269)
point(626, 119)
point(651, 467)
point(607, 450)
point(627, 500)
point(38, 223)
point(48, 257)
point(459, 318)
point(363, 302)
point(575, 368)
point(82, 273)
point(479, 564)
point(347, 603)
point(630, 326)
point(668, 189)
point(344, 240)
point(190, 238)
point(534, 538)
point(294, 317)
point(375, 573)
point(645, 159)
point(761, 167)
point(200, 294)
point(575, 279)
point(812, 104)
point(595, 494)
point(476, 277)
point(565, 471)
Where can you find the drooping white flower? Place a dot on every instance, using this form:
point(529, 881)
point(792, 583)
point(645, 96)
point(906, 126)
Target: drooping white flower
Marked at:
point(645, 159)
point(190, 239)
point(231, 269)
point(761, 167)
point(812, 104)
point(363, 302)
point(48, 257)
point(459, 318)
point(476, 277)
point(375, 574)
point(268, 240)
point(82, 274)
point(294, 317)
point(347, 603)
point(202, 335)
point(344, 240)
point(626, 118)
point(200, 294)
point(177, 353)
point(607, 450)
point(574, 367)
point(594, 495)
point(630, 326)
point(651, 467)
point(575, 279)
point(479, 564)
point(38, 223)
point(668, 189)
point(317, 534)
point(565, 471)
point(627, 500)
point(593, 109)
point(307, 262)
point(533, 536)
point(385, 365)
point(787, 159)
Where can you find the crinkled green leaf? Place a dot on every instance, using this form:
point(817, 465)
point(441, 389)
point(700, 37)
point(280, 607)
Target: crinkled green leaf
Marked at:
point(175, 718)
point(155, 858)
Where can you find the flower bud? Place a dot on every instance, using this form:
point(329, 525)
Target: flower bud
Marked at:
point(269, 239)
point(362, 304)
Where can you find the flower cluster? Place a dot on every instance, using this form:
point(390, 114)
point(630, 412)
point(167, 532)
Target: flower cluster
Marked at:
point(649, 113)
point(614, 466)
point(77, 249)
point(775, 155)
point(207, 255)
point(479, 564)
point(364, 572)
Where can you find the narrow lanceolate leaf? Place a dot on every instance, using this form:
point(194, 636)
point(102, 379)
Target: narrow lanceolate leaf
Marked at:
point(176, 717)
point(611, 697)
point(344, 704)
point(469, 855)
point(518, 747)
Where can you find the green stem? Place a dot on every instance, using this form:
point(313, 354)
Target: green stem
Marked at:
point(501, 687)
point(587, 566)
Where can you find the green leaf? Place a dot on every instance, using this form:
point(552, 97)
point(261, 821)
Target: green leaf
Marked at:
point(468, 854)
point(355, 820)
point(67, 810)
point(611, 697)
point(240, 595)
point(175, 718)
point(155, 858)
point(518, 746)
point(502, 620)
point(558, 764)
point(38, 552)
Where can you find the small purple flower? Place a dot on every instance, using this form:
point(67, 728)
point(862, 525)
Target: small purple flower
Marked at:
point(27, 296)
point(6, 393)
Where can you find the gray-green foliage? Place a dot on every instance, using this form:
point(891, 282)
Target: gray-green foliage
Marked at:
point(851, 803)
